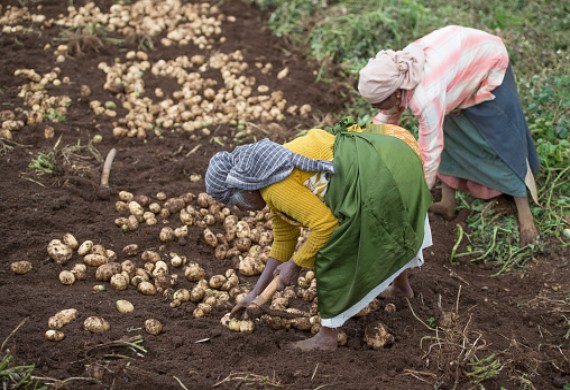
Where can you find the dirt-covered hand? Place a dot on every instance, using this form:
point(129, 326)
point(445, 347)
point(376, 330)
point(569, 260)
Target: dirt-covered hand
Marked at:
point(239, 310)
point(288, 273)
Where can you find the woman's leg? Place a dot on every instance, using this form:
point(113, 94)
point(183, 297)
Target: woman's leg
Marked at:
point(400, 288)
point(446, 206)
point(325, 340)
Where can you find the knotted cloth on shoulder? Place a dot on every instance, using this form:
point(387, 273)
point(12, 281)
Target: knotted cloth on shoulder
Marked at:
point(255, 166)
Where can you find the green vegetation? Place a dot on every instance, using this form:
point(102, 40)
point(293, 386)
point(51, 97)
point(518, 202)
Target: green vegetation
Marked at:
point(44, 163)
point(17, 377)
point(341, 36)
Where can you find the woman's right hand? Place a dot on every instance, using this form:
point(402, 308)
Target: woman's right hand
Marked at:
point(265, 278)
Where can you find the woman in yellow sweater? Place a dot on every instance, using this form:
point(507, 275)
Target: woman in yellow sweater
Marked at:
point(363, 199)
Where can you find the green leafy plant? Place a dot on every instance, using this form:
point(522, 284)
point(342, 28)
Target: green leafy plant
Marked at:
point(44, 163)
point(54, 116)
point(17, 377)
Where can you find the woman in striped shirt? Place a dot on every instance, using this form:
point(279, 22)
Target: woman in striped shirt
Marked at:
point(458, 82)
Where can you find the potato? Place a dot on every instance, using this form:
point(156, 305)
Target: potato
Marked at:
point(194, 272)
point(153, 326)
point(135, 208)
point(210, 238)
point(146, 288)
point(126, 196)
point(85, 248)
point(178, 261)
point(95, 259)
point(342, 338)
point(66, 278)
point(21, 267)
point(99, 250)
point(96, 324)
point(166, 234)
point(54, 335)
point(131, 250)
point(119, 282)
point(197, 294)
point(377, 336)
point(183, 295)
point(390, 308)
point(181, 232)
point(59, 252)
point(129, 267)
point(243, 326)
point(242, 229)
point(62, 318)
point(201, 310)
point(151, 256)
point(124, 306)
point(217, 281)
point(79, 271)
point(70, 240)
point(251, 266)
point(105, 271)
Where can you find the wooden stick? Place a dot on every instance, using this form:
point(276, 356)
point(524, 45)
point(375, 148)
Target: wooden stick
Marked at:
point(266, 294)
point(104, 191)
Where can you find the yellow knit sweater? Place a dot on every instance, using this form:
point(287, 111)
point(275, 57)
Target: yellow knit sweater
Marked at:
point(292, 198)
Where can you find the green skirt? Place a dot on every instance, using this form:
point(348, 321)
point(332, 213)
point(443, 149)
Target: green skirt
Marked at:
point(380, 197)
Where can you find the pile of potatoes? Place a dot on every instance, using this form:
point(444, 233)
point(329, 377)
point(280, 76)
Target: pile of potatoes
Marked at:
point(37, 100)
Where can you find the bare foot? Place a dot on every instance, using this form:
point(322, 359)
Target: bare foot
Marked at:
point(394, 291)
point(529, 235)
point(444, 210)
point(325, 340)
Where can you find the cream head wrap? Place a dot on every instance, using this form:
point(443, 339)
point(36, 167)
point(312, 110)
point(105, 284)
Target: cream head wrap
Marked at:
point(391, 70)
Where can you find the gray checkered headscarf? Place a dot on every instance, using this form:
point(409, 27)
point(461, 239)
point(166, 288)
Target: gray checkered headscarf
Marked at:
point(255, 166)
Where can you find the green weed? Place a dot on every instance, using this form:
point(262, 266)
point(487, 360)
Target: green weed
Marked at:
point(17, 377)
point(44, 163)
point(54, 116)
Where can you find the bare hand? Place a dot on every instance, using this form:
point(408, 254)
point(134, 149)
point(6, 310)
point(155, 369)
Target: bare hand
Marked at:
point(240, 309)
point(288, 273)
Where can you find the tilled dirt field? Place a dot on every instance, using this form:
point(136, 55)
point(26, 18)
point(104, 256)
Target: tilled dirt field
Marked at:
point(212, 75)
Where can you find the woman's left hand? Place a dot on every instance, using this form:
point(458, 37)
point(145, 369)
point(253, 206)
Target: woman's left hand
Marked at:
point(288, 273)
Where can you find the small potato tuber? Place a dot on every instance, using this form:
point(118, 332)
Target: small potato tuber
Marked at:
point(123, 306)
point(62, 318)
point(96, 324)
point(21, 267)
point(54, 335)
point(153, 326)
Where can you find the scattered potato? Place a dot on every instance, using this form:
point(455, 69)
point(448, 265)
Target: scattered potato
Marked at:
point(21, 267)
point(54, 335)
point(243, 326)
point(96, 324)
point(124, 306)
point(66, 278)
point(377, 336)
point(59, 252)
point(62, 318)
point(153, 326)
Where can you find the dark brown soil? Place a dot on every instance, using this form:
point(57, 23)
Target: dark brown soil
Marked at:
point(521, 318)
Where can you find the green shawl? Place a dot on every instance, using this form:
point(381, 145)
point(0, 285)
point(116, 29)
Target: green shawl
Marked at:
point(380, 197)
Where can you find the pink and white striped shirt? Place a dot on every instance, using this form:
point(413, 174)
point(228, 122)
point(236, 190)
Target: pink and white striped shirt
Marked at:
point(462, 67)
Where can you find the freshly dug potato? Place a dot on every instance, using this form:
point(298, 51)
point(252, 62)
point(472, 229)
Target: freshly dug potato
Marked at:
point(243, 326)
point(146, 288)
point(194, 272)
point(377, 336)
point(150, 256)
point(79, 271)
point(153, 326)
point(119, 282)
point(390, 308)
point(96, 324)
point(131, 250)
point(105, 271)
point(59, 252)
point(66, 278)
point(62, 318)
point(70, 240)
point(85, 248)
point(95, 259)
point(167, 234)
point(54, 335)
point(21, 267)
point(124, 306)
